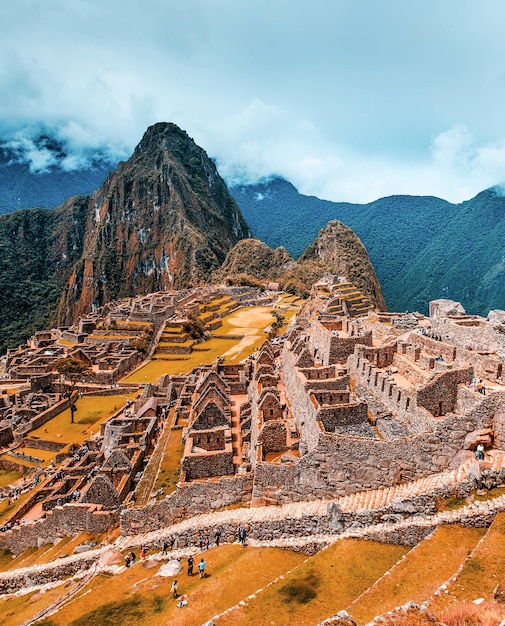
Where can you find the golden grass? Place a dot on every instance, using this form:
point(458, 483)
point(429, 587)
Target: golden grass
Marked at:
point(7, 477)
point(16, 610)
point(137, 596)
point(248, 322)
point(170, 468)
point(7, 509)
point(318, 588)
point(49, 551)
point(481, 573)
point(485, 614)
point(418, 576)
point(91, 411)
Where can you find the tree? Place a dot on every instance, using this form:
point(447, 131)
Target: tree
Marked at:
point(71, 369)
point(277, 325)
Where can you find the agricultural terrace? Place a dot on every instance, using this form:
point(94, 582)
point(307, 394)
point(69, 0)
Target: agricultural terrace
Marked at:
point(242, 332)
point(91, 412)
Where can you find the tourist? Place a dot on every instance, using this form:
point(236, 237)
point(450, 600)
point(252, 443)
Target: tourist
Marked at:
point(479, 452)
point(127, 560)
point(242, 535)
point(201, 568)
point(173, 589)
point(143, 552)
point(165, 547)
point(201, 542)
point(217, 537)
point(133, 557)
point(191, 563)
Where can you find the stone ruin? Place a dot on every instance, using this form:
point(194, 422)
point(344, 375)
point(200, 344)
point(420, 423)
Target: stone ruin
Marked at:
point(339, 404)
point(342, 405)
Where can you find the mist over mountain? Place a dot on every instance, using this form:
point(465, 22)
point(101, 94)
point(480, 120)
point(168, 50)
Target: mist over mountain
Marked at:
point(23, 187)
point(422, 247)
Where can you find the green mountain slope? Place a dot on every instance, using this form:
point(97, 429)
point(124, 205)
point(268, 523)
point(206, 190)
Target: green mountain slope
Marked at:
point(422, 248)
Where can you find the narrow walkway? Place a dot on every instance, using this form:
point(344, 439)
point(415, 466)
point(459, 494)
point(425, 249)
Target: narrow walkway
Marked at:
point(146, 485)
point(368, 500)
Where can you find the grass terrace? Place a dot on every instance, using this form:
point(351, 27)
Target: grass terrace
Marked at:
point(419, 575)
point(318, 587)
point(138, 596)
point(91, 412)
point(480, 574)
point(170, 468)
point(7, 477)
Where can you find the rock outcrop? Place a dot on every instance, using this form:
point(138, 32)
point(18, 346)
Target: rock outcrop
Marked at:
point(337, 250)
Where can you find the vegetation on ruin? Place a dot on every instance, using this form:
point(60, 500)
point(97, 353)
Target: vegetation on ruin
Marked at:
point(194, 328)
point(71, 370)
point(456, 502)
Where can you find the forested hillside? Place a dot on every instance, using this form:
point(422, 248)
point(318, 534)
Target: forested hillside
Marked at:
point(421, 247)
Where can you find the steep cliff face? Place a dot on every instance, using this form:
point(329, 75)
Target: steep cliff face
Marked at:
point(164, 219)
point(38, 249)
point(338, 247)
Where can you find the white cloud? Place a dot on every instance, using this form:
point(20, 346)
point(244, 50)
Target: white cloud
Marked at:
point(349, 101)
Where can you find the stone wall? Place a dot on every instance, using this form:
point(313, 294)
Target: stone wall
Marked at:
point(273, 437)
point(188, 500)
point(11, 582)
point(62, 521)
point(330, 349)
point(338, 465)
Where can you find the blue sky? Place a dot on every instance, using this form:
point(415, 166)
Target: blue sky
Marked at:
point(348, 99)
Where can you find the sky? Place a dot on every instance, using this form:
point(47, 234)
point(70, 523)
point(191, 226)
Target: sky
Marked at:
point(350, 100)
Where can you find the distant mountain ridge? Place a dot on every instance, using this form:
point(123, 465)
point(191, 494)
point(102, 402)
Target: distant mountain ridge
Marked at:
point(22, 189)
point(421, 247)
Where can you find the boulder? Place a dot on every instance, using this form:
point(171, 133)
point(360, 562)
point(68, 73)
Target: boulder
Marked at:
point(445, 308)
point(496, 317)
point(474, 438)
point(172, 568)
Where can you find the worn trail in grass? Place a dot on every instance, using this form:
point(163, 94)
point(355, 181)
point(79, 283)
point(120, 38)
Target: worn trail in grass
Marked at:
point(423, 570)
point(318, 588)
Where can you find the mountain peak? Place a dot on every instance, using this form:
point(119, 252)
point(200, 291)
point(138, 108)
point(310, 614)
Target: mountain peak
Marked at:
point(162, 220)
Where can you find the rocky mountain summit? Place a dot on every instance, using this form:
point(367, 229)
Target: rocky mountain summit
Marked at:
point(164, 219)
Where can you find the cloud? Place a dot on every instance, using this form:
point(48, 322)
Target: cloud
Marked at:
point(349, 101)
